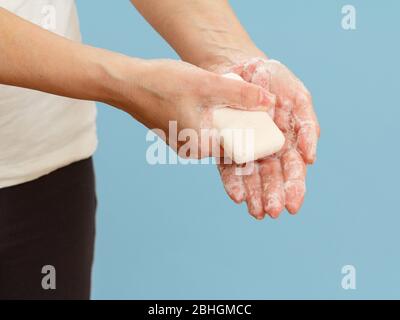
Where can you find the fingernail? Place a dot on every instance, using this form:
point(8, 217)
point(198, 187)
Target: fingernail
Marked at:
point(274, 215)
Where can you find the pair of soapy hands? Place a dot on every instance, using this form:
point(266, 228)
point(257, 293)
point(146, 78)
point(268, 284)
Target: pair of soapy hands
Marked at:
point(189, 94)
point(277, 181)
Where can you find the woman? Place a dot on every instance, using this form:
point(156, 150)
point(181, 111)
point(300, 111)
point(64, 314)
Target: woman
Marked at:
point(48, 132)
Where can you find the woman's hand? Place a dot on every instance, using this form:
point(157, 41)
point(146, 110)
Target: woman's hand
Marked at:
point(160, 91)
point(279, 180)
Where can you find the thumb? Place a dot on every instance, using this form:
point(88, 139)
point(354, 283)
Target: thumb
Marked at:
point(231, 90)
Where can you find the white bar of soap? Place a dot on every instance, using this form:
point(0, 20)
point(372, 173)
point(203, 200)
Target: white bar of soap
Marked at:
point(246, 135)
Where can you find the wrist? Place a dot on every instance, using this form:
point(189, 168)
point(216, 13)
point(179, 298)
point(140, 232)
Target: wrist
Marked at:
point(116, 77)
point(223, 59)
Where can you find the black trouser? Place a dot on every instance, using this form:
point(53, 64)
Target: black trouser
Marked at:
point(47, 230)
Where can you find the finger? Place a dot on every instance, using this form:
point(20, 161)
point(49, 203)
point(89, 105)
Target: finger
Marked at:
point(261, 77)
point(233, 183)
point(250, 68)
point(253, 187)
point(294, 173)
point(307, 138)
point(307, 128)
point(273, 196)
point(283, 115)
point(239, 94)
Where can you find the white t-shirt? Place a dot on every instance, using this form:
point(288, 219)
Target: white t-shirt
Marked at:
point(40, 132)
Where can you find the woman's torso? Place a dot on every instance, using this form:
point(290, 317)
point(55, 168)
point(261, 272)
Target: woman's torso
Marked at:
point(40, 132)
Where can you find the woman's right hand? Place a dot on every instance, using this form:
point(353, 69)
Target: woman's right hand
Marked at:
point(161, 91)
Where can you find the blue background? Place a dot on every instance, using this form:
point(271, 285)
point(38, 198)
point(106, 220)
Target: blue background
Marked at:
point(171, 232)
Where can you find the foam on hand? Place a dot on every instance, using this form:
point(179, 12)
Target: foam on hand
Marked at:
point(246, 135)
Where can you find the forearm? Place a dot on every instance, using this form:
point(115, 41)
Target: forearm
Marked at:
point(34, 58)
point(201, 31)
